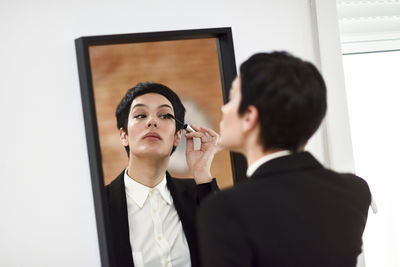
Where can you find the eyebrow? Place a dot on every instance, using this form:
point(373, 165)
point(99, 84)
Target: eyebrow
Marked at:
point(160, 106)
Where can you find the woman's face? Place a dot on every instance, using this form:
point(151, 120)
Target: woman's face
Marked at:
point(151, 132)
point(230, 126)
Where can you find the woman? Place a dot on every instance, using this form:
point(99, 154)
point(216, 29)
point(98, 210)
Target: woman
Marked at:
point(152, 214)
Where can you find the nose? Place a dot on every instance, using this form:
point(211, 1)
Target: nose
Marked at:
point(152, 122)
point(223, 108)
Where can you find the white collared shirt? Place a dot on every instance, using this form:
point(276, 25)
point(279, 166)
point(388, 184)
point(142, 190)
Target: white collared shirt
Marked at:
point(255, 165)
point(155, 230)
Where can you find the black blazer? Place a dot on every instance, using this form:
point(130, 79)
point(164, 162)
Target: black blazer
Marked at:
point(185, 194)
point(291, 212)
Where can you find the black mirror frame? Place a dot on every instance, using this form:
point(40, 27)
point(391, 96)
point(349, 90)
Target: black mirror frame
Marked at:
point(227, 66)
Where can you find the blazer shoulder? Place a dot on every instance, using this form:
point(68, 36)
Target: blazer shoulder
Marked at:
point(114, 188)
point(188, 182)
point(183, 183)
point(354, 186)
point(359, 184)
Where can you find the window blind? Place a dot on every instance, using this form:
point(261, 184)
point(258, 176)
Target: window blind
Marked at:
point(369, 25)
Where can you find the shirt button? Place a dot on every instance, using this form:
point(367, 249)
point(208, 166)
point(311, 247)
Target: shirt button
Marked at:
point(159, 237)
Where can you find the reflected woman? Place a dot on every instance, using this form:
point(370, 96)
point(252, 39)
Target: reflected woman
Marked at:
point(152, 214)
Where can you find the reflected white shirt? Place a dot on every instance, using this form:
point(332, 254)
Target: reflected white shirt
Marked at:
point(155, 230)
point(255, 165)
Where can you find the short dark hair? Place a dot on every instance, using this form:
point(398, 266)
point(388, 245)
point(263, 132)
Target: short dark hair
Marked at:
point(123, 109)
point(289, 94)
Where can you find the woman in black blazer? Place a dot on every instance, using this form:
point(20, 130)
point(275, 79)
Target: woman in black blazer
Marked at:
point(150, 121)
point(291, 211)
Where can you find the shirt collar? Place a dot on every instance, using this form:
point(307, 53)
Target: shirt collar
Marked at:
point(139, 192)
point(253, 167)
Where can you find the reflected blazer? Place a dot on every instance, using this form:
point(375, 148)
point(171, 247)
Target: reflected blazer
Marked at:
point(186, 196)
point(291, 212)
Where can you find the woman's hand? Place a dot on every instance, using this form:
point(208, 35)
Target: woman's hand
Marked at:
point(199, 161)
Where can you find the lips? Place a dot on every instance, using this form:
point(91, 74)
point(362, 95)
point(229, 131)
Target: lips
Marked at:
point(152, 135)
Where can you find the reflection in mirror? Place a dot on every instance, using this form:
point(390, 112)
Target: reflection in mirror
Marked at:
point(189, 67)
point(155, 227)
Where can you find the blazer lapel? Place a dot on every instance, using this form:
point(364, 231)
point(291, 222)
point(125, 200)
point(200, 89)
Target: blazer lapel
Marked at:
point(119, 222)
point(185, 205)
point(184, 202)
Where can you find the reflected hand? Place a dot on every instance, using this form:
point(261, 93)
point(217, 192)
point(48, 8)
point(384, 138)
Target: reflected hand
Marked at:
point(199, 161)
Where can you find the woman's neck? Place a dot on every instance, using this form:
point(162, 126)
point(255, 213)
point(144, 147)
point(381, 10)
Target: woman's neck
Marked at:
point(147, 171)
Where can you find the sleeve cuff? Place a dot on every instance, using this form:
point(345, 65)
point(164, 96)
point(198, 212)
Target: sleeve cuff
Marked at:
point(205, 189)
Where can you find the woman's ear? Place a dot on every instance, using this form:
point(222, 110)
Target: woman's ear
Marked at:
point(178, 137)
point(123, 136)
point(250, 118)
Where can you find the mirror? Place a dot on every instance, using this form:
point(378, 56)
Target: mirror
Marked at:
point(198, 65)
point(189, 67)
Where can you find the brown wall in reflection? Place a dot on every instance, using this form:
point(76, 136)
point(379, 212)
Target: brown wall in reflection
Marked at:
point(189, 67)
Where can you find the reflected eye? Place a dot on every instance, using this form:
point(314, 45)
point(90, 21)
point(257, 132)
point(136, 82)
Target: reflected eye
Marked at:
point(166, 116)
point(139, 116)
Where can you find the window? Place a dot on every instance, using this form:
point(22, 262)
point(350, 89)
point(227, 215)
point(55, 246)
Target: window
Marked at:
point(370, 37)
point(373, 95)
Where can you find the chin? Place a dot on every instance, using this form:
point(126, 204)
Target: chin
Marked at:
point(152, 153)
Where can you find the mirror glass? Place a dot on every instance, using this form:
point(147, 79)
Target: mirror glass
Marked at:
point(189, 67)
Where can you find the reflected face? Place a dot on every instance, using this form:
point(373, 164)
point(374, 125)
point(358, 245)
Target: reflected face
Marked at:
point(230, 126)
point(151, 132)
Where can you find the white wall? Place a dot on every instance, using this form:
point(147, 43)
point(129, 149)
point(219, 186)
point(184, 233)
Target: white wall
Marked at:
point(47, 216)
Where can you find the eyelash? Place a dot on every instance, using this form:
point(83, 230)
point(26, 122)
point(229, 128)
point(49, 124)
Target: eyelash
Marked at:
point(162, 116)
point(139, 116)
point(166, 116)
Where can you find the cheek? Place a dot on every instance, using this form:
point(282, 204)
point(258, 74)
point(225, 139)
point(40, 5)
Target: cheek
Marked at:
point(228, 111)
point(225, 109)
point(168, 126)
point(168, 129)
point(135, 128)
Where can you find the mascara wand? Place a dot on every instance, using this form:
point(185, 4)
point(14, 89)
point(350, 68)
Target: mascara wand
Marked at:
point(185, 126)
